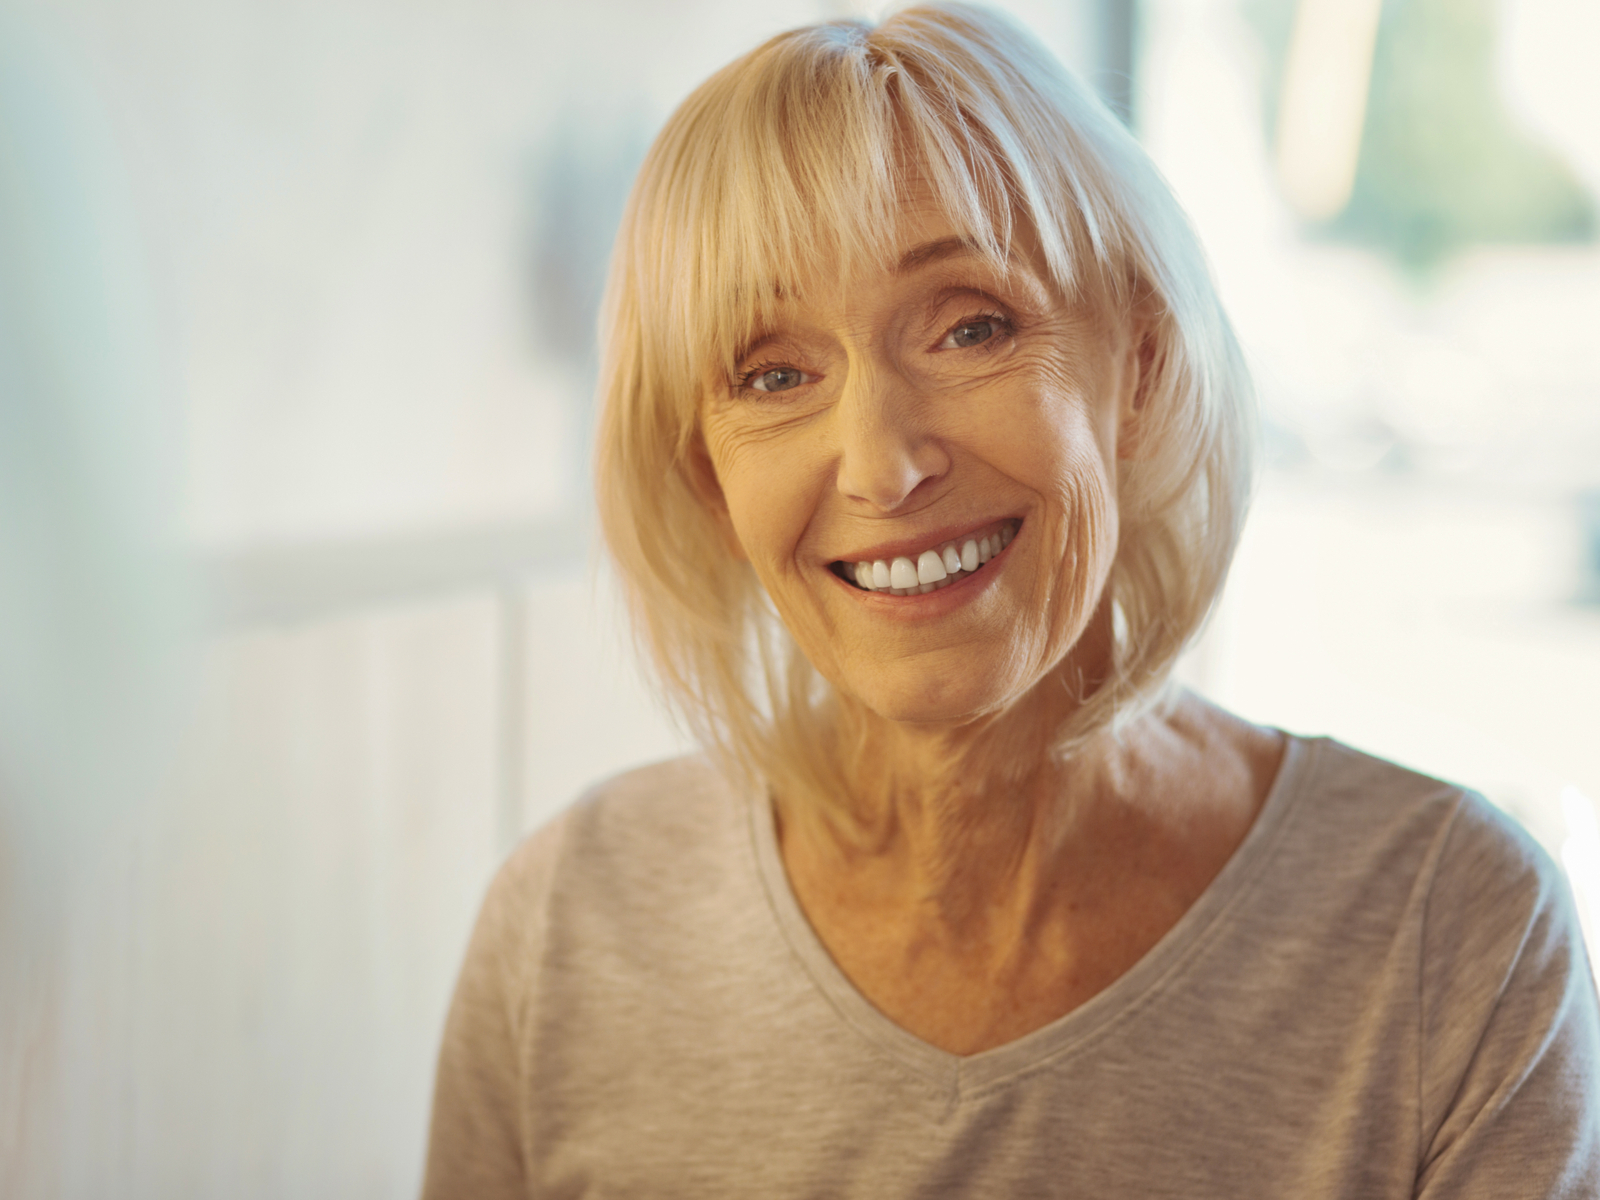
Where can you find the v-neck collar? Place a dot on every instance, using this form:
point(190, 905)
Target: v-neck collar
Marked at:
point(959, 1077)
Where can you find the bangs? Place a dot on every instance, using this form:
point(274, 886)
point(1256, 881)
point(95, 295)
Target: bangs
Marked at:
point(795, 163)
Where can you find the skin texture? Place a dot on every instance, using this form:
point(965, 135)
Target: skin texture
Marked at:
point(976, 887)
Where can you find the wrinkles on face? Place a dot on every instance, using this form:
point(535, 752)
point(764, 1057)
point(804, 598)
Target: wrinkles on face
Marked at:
point(1077, 525)
point(904, 405)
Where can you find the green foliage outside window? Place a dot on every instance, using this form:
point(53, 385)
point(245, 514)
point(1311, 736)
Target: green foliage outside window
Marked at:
point(1443, 165)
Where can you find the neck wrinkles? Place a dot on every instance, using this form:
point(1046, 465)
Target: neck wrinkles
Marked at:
point(962, 821)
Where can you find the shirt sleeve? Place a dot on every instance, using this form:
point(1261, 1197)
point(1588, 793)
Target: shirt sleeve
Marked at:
point(1510, 1045)
point(476, 1147)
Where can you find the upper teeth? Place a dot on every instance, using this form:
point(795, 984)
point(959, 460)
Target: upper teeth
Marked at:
point(934, 568)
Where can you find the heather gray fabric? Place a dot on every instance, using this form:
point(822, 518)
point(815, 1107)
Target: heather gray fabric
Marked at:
point(1383, 994)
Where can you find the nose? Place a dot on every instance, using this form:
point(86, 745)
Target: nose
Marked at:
point(889, 451)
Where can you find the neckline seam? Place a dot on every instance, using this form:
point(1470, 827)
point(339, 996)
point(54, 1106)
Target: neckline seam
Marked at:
point(947, 1074)
point(839, 994)
point(1183, 957)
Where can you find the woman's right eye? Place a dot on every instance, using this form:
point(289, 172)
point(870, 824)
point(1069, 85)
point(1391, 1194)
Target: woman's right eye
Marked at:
point(776, 379)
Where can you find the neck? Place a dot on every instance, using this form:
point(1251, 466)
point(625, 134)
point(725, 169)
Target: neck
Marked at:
point(958, 821)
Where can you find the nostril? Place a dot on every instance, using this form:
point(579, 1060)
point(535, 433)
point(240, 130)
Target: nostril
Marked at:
point(887, 466)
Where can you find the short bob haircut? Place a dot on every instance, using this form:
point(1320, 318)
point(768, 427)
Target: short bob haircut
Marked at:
point(792, 160)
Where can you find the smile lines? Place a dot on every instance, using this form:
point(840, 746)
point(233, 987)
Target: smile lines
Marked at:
point(932, 569)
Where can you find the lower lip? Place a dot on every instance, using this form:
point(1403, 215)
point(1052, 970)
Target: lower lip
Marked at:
point(936, 602)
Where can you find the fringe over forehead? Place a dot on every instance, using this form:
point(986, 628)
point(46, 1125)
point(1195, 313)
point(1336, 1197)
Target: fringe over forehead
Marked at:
point(792, 163)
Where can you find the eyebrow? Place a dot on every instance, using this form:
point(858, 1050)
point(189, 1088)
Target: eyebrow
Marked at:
point(928, 252)
point(911, 260)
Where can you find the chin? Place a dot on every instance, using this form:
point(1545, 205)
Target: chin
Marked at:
point(922, 701)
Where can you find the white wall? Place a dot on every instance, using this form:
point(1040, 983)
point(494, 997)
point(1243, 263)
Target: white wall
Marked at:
point(372, 234)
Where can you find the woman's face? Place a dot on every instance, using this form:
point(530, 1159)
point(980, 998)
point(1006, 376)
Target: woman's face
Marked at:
point(917, 409)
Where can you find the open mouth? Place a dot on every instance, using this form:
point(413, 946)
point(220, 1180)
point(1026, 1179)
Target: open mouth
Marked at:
point(934, 568)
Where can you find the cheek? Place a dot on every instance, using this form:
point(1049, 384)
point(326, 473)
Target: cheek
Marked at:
point(1089, 503)
point(768, 489)
point(1051, 435)
point(1078, 537)
point(1054, 447)
point(1085, 493)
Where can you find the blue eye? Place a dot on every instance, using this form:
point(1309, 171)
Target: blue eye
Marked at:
point(970, 333)
point(778, 379)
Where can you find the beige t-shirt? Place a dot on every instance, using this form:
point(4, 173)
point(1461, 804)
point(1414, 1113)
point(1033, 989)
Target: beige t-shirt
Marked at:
point(1382, 994)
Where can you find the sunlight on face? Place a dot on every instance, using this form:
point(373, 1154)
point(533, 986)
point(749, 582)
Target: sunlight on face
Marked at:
point(916, 409)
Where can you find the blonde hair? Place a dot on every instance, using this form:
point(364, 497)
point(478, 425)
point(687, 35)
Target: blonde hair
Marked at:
point(791, 160)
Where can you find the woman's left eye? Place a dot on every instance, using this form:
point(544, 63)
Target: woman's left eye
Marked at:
point(776, 379)
point(971, 333)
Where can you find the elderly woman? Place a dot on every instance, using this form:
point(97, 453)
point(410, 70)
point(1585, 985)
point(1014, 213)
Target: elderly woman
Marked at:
point(925, 448)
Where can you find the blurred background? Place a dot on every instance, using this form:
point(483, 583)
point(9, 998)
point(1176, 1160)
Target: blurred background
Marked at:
point(301, 625)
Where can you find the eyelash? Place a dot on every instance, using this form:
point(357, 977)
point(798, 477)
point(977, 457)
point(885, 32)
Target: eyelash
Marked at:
point(1004, 327)
point(749, 375)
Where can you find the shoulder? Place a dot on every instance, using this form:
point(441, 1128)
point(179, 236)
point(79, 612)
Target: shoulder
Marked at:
point(1474, 856)
point(1475, 869)
point(1507, 1018)
point(580, 921)
point(1387, 858)
point(662, 811)
point(671, 805)
point(1465, 906)
point(1469, 872)
point(1340, 776)
point(1501, 936)
point(1364, 813)
point(631, 850)
point(1485, 886)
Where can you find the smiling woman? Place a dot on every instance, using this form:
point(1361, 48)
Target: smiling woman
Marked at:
point(983, 187)
point(924, 453)
point(944, 402)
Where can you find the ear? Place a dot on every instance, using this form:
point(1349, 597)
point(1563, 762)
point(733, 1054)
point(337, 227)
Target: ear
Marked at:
point(1142, 366)
point(708, 490)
